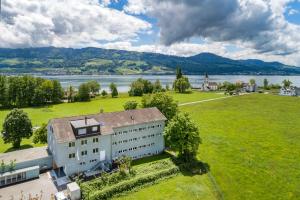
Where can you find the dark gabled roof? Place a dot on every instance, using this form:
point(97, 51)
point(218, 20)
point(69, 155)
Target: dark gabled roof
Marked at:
point(63, 131)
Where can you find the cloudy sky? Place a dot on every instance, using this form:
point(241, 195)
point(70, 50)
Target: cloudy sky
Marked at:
point(239, 29)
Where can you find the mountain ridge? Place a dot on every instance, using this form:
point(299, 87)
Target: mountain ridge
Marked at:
point(91, 60)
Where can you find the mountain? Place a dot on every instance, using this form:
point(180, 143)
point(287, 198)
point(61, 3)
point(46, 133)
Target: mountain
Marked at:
point(51, 60)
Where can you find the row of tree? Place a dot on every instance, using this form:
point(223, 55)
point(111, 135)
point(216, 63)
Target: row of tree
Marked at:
point(92, 88)
point(21, 91)
point(143, 86)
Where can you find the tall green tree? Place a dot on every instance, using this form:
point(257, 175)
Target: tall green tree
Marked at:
point(47, 88)
point(136, 88)
point(57, 92)
point(252, 81)
point(39, 96)
point(70, 93)
point(94, 87)
point(286, 83)
point(182, 134)
point(113, 90)
point(182, 84)
point(40, 135)
point(178, 73)
point(16, 126)
point(266, 84)
point(84, 92)
point(165, 103)
point(3, 91)
point(157, 87)
point(30, 85)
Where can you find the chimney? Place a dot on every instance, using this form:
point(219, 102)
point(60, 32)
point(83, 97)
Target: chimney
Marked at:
point(85, 120)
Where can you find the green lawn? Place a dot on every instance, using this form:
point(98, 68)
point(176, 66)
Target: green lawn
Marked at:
point(44, 114)
point(252, 145)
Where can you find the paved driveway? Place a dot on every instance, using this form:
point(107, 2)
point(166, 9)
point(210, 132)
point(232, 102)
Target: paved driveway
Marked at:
point(43, 187)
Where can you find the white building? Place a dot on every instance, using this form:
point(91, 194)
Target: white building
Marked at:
point(81, 143)
point(288, 91)
point(209, 86)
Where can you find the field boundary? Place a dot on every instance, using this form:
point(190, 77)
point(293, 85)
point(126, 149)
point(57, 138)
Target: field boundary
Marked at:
point(202, 101)
point(216, 188)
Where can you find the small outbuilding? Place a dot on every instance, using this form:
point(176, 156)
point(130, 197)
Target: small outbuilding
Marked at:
point(73, 190)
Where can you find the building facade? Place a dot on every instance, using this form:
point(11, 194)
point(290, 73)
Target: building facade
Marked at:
point(289, 91)
point(81, 143)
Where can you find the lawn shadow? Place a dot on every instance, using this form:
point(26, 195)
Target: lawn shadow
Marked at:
point(25, 146)
point(195, 167)
point(151, 159)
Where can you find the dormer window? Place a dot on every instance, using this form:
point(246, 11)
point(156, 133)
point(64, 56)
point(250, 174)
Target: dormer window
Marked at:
point(95, 128)
point(81, 131)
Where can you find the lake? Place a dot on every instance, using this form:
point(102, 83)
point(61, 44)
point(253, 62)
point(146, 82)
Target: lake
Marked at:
point(123, 81)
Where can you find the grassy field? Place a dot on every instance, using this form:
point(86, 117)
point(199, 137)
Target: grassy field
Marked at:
point(252, 145)
point(41, 115)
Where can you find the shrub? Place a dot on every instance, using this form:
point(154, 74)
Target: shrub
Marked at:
point(132, 183)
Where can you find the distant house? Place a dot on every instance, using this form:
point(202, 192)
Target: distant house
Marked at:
point(209, 86)
point(247, 87)
point(289, 91)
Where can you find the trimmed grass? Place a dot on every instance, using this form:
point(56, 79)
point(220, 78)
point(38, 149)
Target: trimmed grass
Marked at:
point(179, 187)
point(43, 114)
point(252, 145)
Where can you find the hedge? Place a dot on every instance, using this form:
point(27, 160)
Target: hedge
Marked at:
point(130, 184)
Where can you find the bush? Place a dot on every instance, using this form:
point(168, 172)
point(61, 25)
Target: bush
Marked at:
point(132, 183)
point(130, 105)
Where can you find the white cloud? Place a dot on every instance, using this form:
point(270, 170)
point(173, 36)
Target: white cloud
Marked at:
point(65, 23)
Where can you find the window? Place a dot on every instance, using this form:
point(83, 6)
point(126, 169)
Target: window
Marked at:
point(95, 128)
point(95, 140)
point(82, 163)
point(71, 144)
point(82, 131)
point(72, 155)
point(84, 153)
point(83, 142)
point(96, 150)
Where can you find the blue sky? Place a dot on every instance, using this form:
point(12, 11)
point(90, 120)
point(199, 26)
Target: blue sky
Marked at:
point(242, 29)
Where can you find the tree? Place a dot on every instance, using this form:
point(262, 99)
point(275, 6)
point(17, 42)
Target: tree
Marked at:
point(167, 87)
point(136, 88)
point(130, 105)
point(182, 84)
point(94, 87)
point(57, 92)
point(39, 96)
point(113, 90)
point(30, 85)
point(84, 92)
point(178, 73)
point(266, 84)
point(47, 88)
point(40, 135)
point(140, 87)
point(163, 102)
point(286, 83)
point(157, 87)
point(70, 94)
point(183, 136)
point(252, 81)
point(3, 91)
point(124, 164)
point(104, 93)
point(16, 126)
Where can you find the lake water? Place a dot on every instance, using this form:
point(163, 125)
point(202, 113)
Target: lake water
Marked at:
point(123, 81)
